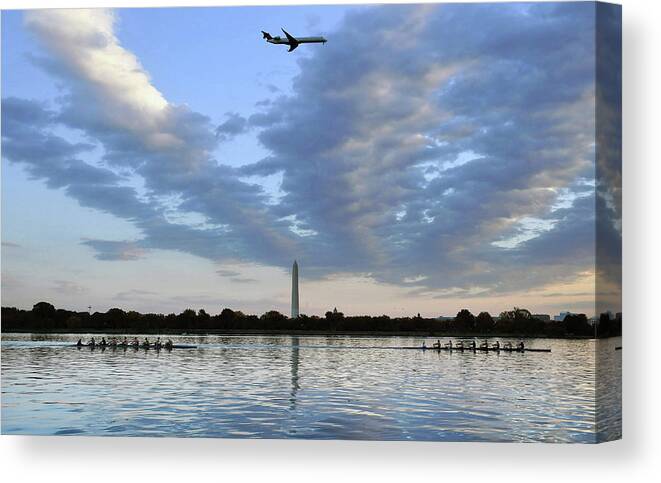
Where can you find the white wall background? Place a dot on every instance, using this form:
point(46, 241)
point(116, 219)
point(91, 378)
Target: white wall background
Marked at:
point(635, 458)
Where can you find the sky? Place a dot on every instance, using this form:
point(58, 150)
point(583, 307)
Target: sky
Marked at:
point(428, 158)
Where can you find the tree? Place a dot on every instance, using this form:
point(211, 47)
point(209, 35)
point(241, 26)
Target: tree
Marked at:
point(577, 324)
point(273, 317)
point(227, 315)
point(334, 315)
point(464, 320)
point(484, 322)
point(523, 314)
point(204, 320)
point(74, 323)
point(187, 319)
point(516, 314)
point(44, 310)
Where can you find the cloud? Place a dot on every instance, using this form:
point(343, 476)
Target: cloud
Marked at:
point(83, 40)
point(234, 276)
point(10, 282)
point(111, 100)
point(233, 126)
point(116, 250)
point(8, 244)
point(609, 159)
point(407, 154)
point(135, 294)
point(227, 273)
point(69, 288)
point(375, 154)
point(243, 280)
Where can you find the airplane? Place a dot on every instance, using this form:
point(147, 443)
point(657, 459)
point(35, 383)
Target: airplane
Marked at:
point(292, 41)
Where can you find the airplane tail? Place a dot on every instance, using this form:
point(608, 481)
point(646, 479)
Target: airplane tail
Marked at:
point(266, 35)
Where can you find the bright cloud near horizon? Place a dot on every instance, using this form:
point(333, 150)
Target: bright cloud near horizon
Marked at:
point(426, 159)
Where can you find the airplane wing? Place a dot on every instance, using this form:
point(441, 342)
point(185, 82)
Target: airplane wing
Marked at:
point(293, 43)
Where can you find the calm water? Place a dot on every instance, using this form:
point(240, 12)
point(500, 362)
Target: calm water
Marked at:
point(312, 387)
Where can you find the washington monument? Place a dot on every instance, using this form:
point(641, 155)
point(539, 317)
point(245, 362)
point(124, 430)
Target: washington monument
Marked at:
point(294, 291)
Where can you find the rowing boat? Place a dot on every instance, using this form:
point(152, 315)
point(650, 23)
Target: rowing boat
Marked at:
point(483, 349)
point(123, 346)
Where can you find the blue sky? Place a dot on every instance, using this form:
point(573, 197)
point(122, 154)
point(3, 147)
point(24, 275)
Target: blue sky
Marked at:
point(427, 158)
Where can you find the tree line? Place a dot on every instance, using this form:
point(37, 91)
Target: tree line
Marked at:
point(44, 317)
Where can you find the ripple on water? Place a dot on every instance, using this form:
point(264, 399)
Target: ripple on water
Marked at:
point(312, 387)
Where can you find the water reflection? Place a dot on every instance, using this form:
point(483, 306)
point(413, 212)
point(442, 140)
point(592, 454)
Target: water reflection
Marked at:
point(312, 387)
point(294, 370)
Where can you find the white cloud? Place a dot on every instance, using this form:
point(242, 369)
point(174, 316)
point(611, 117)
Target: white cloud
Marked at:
point(400, 159)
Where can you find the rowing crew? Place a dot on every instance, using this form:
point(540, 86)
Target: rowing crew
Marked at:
point(135, 343)
point(472, 346)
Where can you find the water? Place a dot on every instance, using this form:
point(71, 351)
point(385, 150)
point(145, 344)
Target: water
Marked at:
point(312, 387)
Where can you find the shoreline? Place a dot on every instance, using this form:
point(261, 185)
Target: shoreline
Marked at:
point(309, 333)
point(44, 318)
